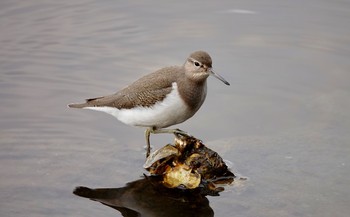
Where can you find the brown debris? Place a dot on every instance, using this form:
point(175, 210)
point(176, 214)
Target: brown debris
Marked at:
point(189, 164)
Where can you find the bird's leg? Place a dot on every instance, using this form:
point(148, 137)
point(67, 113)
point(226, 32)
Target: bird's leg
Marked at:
point(175, 131)
point(147, 135)
point(157, 131)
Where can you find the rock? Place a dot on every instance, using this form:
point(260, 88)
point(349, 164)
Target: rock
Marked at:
point(189, 164)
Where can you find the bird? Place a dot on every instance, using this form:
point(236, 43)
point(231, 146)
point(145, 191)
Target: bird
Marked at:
point(158, 100)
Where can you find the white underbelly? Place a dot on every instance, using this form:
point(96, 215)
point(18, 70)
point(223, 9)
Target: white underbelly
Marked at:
point(172, 110)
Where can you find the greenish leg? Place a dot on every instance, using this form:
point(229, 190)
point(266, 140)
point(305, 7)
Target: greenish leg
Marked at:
point(157, 131)
point(147, 134)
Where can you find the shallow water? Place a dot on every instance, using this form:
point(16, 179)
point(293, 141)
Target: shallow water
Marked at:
point(283, 123)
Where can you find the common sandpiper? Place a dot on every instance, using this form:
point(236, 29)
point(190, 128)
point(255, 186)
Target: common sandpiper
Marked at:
point(166, 97)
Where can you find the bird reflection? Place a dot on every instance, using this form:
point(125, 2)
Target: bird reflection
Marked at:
point(145, 198)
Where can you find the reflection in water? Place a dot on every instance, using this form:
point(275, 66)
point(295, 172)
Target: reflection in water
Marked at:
point(144, 198)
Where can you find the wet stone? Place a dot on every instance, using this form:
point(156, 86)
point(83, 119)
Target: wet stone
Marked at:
point(189, 164)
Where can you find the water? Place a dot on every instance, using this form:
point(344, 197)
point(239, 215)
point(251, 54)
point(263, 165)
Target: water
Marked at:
point(283, 123)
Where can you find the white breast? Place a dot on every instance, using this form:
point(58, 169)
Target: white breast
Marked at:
point(172, 110)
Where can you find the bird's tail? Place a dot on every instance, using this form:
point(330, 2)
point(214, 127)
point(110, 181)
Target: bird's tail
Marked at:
point(92, 102)
point(77, 105)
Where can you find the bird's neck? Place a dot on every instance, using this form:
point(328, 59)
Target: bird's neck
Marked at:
point(193, 93)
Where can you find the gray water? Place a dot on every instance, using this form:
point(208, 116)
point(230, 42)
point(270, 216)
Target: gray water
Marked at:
point(283, 123)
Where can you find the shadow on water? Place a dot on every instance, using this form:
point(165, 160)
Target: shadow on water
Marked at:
point(144, 198)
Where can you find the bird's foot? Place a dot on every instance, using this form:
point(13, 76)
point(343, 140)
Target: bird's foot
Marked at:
point(179, 132)
point(176, 132)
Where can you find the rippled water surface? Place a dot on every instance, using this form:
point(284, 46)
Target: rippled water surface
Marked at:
point(284, 122)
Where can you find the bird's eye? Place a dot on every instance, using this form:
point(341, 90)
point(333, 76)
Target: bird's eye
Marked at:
point(197, 64)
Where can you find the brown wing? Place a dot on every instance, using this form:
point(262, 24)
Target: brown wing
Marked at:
point(144, 92)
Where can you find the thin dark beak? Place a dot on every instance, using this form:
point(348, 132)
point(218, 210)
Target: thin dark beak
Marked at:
point(218, 77)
